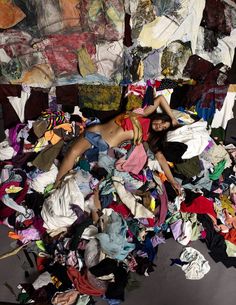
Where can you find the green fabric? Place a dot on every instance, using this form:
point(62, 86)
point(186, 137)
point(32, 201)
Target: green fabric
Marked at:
point(189, 168)
point(84, 164)
point(218, 170)
point(100, 97)
point(218, 134)
point(40, 245)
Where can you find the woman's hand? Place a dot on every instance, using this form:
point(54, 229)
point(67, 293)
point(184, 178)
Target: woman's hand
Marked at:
point(174, 122)
point(177, 187)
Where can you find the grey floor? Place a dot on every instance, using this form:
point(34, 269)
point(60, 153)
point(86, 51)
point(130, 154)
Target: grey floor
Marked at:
point(165, 286)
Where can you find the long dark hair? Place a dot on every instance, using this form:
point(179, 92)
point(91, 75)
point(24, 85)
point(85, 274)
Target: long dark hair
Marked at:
point(156, 138)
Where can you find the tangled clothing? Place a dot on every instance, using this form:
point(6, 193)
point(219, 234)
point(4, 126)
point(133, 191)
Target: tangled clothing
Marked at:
point(40, 182)
point(200, 205)
point(46, 157)
point(81, 282)
point(115, 290)
point(137, 209)
point(195, 136)
point(164, 30)
point(113, 238)
point(127, 123)
point(216, 153)
point(197, 265)
point(57, 212)
point(135, 162)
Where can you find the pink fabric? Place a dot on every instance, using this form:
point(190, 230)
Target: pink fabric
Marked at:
point(164, 206)
point(135, 163)
point(61, 50)
point(200, 205)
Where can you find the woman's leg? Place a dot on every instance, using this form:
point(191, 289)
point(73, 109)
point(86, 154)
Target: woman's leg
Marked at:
point(76, 150)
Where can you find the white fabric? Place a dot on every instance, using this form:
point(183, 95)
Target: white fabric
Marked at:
point(4, 57)
point(195, 136)
point(57, 213)
point(185, 236)
point(197, 265)
point(42, 280)
point(18, 103)
point(89, 232)
point(42, 180)
point(223, 53)
point(6, 151)
point(216, 154)
point(163, 30)
point(137, 209)
point(221, 117)
point(109, 57)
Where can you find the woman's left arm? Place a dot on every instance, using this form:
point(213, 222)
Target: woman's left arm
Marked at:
point(165, 166)
point(160, 101)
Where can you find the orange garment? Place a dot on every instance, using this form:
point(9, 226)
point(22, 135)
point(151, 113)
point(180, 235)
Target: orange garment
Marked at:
point(231, 236)
point(52, 137)
point(10, 14)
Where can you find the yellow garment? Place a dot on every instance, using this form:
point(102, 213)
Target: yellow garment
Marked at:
point(40, 144)
point(52, 137)
point(140, 70)
point(152, 204)
point(13, 189)
point(227, 204)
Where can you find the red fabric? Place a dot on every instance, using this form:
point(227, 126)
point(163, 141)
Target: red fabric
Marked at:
point(81, 282)
point(126, 124)
point(200, 205)
point(120, 208)
point(231, 236)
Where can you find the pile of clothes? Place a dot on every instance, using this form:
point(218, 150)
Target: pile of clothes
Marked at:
point(105, 221)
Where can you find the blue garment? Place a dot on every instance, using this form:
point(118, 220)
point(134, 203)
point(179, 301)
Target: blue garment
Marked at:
point(205, 113)
point(113, 240)
point(98, 144)
point(96, 140)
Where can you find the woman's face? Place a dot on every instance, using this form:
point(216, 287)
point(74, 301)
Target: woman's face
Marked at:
point(160, 125)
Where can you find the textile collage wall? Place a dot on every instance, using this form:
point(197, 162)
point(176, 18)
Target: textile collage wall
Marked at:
point(66, 68)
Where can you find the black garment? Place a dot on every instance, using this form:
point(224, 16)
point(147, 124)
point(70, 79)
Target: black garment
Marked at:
point(173, 151)
point(179, 96)
point(190, 196)
point(2, 131)
point(115, 290)
point(232, 71)
point(148, 97)
point(215, 242)
point(67, 95)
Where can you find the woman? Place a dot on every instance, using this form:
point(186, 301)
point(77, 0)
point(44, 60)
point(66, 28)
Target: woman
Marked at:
point(122, 128)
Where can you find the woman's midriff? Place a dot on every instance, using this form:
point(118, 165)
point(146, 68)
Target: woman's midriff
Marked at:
point(112, 133)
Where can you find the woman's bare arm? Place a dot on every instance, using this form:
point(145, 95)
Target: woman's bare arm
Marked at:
point(160, 101)
point(164, 165)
